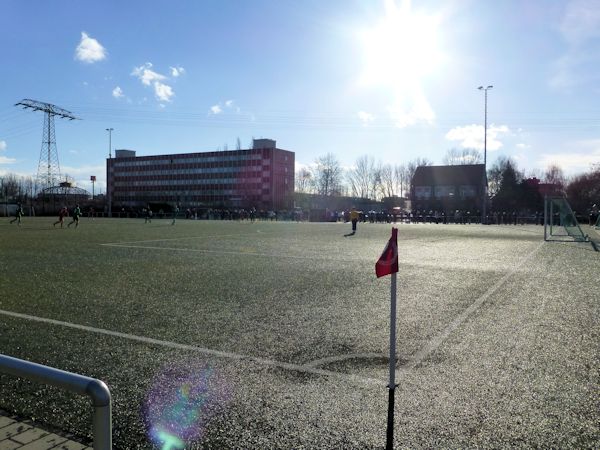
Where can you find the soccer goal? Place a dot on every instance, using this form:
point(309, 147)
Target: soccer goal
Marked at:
point(560, 222)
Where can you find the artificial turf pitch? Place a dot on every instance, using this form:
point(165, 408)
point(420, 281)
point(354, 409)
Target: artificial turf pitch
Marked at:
point(497, 332)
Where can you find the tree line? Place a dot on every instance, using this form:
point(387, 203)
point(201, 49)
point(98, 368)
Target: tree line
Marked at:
point(509, 187)
point(17, 187)
point(367, 179)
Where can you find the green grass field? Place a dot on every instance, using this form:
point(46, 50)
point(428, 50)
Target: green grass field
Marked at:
point(497, 340)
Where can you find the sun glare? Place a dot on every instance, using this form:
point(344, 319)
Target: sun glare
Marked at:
point(399, 53)
point(402, 48)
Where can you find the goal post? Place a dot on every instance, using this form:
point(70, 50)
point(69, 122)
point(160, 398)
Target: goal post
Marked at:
point(560, 221)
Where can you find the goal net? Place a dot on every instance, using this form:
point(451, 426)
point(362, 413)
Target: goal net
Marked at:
point(559, 220)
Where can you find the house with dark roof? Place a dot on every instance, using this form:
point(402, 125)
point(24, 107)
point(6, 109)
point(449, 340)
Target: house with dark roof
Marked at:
point(448, 188)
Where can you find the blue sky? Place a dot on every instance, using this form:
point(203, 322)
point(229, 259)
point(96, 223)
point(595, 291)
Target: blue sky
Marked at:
point(393, 79)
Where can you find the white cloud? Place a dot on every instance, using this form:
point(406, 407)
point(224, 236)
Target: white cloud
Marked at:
point(2, 145)
point(89, 50)
point(523, 146)
point(472, 136)
point(571, 162)
point(81, 176)
point(579, 158)
point(220, 107)
point(177, 71)
point(301, 166)
point(117, 92)
point(83, 171)
point(163, 92)
point(5, 160)
point(146, 75)
point(410, 108)
point(365, 117)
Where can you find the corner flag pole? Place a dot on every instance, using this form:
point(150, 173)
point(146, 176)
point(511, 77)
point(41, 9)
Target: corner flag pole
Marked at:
point(392, 384)
point(387, 264)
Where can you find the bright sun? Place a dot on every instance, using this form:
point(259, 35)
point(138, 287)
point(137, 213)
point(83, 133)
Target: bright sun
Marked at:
point(402, 48)
point(399, 53)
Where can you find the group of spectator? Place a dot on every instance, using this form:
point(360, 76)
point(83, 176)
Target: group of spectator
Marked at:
point(457, 216)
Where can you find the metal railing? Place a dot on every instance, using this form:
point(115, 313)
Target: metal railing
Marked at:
point(79, 384)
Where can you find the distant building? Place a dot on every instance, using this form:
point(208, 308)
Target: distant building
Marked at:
point(447, 188)
point(261, 177)
point(544, 189)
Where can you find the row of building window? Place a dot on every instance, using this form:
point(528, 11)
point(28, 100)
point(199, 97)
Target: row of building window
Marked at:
point(445, 191)
point(207, 194)
point(196, 189)
point(202, 159)
point(192, 171)
point(188, 201)
point(192, 181)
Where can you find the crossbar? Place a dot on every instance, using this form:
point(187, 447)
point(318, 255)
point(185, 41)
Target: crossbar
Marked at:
point(73, 382)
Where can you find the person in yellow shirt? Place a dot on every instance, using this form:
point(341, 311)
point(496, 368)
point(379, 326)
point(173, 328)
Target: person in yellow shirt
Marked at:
point(354, 218)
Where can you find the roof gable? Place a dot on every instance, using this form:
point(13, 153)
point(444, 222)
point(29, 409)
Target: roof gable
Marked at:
point(470, 174)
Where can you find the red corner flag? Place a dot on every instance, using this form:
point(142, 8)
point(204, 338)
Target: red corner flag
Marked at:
point(388, 261)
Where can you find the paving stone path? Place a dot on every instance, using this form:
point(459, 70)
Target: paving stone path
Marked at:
point(25, 435)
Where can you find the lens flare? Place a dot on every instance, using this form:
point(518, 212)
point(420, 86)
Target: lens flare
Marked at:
point(181, 401)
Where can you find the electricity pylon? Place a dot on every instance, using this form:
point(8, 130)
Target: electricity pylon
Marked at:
point(48, 167)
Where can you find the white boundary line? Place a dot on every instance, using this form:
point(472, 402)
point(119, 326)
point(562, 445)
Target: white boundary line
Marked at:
point(224, 252)
point(206, 351)
point(434, 343)
point(309, 367)
point(183, 238)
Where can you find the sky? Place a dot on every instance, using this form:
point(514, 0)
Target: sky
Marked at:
point(395, 80)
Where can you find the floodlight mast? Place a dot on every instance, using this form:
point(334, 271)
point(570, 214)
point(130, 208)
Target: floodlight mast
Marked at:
point(484, 204)
point(48, 166)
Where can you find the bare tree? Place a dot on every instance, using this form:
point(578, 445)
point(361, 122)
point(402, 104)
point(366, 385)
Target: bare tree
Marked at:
point(411, 168)
point(375, 187)
point(10, 186)
point(555, 175)
point(328, 175)
point(388, 183)
point(535, 173)
point(398, 180)
point(392, 180)
point(583, 191)
point(304, 181)
point(361, 178)
point(456, 157)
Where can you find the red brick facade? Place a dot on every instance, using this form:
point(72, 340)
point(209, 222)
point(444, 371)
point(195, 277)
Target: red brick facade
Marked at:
point(260, 177)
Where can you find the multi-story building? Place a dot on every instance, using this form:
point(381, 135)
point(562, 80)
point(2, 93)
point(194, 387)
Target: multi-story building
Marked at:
point(261, 177)
point(447, 188)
